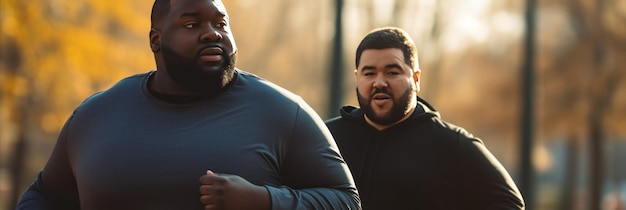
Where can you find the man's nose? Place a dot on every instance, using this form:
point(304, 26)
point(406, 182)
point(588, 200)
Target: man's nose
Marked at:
point(210, 35)
point(380, 82)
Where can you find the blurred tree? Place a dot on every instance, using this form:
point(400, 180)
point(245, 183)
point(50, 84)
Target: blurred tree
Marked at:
point(337, 69)
point(53, 55)
point(527, 114)
point(604, 76)
point(582, 76)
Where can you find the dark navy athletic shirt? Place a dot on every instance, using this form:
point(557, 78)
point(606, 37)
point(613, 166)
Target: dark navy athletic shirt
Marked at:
point(125, 149)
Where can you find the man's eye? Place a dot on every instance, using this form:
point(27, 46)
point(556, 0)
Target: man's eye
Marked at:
point(191, 25)
point(392, 73)
point(368, 74)
point(220, 25)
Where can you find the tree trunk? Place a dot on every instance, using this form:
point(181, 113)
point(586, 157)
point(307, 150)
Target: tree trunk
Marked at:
point(571, 168)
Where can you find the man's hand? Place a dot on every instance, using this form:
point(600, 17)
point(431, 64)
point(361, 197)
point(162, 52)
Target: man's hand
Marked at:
point(226, 192)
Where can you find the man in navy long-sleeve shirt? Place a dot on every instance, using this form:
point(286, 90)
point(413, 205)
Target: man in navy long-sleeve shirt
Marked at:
point(197, 133)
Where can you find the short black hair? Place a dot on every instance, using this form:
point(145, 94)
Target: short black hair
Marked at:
point(160, 9)
point(389, 37)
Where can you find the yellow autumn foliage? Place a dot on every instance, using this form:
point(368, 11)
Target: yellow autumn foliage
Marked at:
point(69, 49)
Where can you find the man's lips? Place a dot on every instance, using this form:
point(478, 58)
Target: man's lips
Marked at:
point(380, 99)
point(212, 54)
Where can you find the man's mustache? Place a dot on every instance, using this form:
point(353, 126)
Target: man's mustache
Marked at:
point(381, 90)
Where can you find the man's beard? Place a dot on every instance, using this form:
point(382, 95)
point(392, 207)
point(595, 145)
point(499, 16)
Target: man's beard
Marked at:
point(188, 74)
point(397, 112)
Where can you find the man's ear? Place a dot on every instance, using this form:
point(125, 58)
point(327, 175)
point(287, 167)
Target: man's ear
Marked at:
point(155, 40)
point(416, 78)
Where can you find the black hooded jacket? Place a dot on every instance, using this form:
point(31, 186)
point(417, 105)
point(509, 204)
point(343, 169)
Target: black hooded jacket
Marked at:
point(421, 163)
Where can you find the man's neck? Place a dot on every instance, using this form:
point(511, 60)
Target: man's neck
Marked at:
point(380, 127)
point(162, 84)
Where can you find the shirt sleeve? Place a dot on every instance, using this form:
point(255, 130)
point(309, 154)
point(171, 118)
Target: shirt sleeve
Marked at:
point(33, 198)
point(485, 183)
point(55, 186)
point(314, 174)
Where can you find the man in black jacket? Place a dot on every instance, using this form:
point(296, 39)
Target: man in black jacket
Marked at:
point(401, 154)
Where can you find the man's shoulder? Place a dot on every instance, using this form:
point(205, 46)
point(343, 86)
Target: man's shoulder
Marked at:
point(124, 86)
point(451, 131)
point(350, 120)
point(264, 90)
point(132, 81)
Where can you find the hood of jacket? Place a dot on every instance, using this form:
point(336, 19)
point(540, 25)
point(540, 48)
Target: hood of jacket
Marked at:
point(423, 111)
